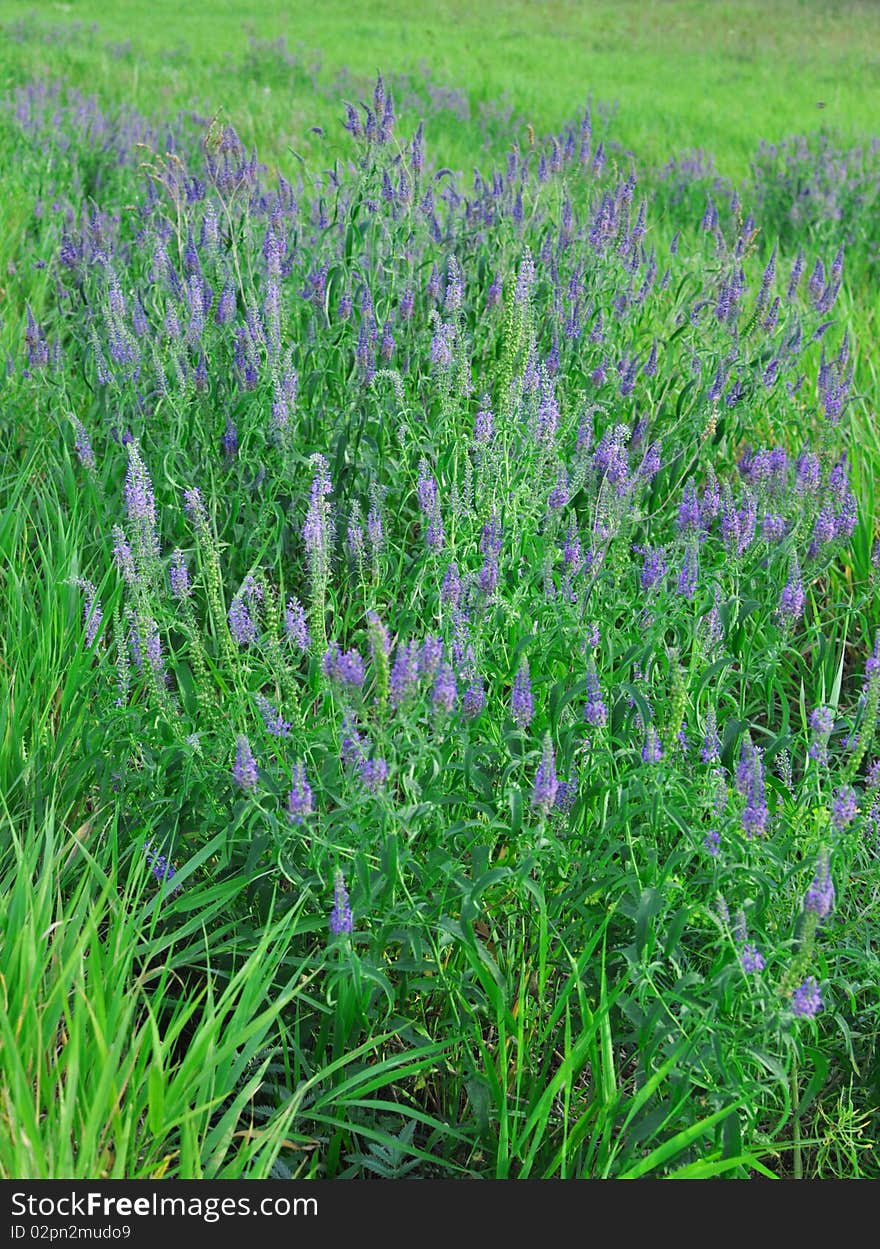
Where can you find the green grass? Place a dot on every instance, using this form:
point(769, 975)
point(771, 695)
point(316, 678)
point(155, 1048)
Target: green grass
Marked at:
point(681, 75)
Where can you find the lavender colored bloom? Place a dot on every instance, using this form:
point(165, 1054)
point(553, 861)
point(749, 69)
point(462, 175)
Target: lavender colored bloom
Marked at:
point(473, 701)
point(82, 445)
point(92, 614)
point(295, 627)
point(445, 692)
point(652, 751)
point(179, 576)
point(806, 1000)
point(317, 529)
point(521, 702)
point(341, 919)
point(750, 785)
point(546, 784)
point(822, 724)
point(347, 668)
point(484, 423)
point(559, 494)
point(430, 657)
point(792, 599)
point(244, 770)
point(404, 677)
point(159, 865)
point(272, 718)
point(450, 591)
point(300, 801)
point(566, 796)
point(712, 841)
point(241, 623)
point(687, 578)
point(374, 773)
point(710, 751)
point(751, 959)
point(844, 807)
point(653, 566)
point(819, 897)
point(689, 517)
point(595, 712)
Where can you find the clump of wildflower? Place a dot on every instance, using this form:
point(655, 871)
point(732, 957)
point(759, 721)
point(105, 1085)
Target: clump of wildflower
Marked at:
point(300, 802)
point(244, 770)
point(806, 1000)
point(792, 598)
point(341, 919)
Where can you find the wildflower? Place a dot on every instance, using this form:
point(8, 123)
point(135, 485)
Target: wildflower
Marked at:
point(712, 841)
point(473, 700)
point(844, 807)
point(546, 785)
point(299, 801)
point(179, 576)
point(822, 724)
point(295, 627)
point(652, 751)
point(750, 784)
point(711, 748)
point(819, 897)
point(341, 919)
point(241, 624)
point(806, 1000)
point(751, 959)
point(595, 712)
point(347, 668)
point(566, 796)
point(92, 614)
point(244, 770)
point(159, 865)
point(374, 773)
point(444, 692)
point(792, 599)
point(687, 578)
point(272, 718)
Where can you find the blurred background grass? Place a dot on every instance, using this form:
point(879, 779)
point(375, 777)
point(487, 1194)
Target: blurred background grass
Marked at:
point(680, 73)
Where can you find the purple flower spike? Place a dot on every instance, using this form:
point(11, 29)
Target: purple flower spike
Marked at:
point(751, 959)
point(521, 703)
point(244, 770)
point(546, 784)
point(341, 919)
point(806, 1001)
point(300, 801)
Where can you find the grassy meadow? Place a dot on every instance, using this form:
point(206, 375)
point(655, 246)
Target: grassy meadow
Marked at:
point(440, 673)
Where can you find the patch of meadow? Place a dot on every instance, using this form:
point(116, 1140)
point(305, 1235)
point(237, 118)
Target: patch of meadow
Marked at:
point(475, 624)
